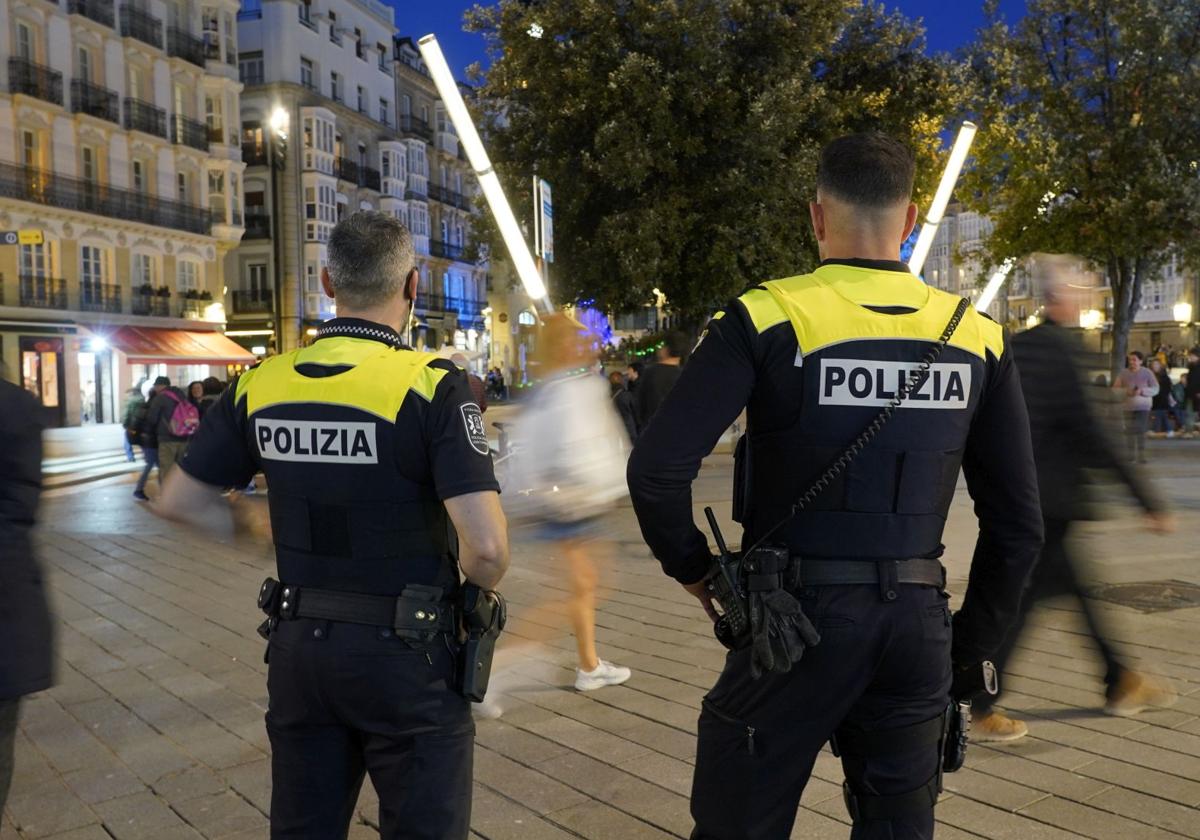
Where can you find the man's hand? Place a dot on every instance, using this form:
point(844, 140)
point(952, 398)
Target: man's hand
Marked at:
point(702, 595)
point(1160, 522)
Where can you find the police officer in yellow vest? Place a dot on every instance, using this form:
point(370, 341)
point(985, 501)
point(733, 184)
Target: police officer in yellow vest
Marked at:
point(380, 479)
point(865, 656)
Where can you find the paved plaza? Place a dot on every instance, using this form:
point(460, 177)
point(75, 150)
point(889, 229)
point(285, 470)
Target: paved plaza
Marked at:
point(155, 728)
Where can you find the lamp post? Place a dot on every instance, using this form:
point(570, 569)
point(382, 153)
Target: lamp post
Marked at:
point(958, 156)
point(277, 163)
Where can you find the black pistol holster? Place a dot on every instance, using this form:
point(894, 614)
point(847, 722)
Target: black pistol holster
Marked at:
point(484, 615)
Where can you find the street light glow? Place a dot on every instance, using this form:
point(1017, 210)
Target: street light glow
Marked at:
point(958, 156)
point(279, 121)
point(489, 183)
point(1182, 312)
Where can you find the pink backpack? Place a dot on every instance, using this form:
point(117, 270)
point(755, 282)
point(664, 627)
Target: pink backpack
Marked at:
point(185, 419)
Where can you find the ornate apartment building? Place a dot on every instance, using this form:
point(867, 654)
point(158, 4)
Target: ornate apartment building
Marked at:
point(120, 163)
point(338, 116)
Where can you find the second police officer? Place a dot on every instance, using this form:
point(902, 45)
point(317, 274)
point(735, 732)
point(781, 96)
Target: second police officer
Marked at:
point(813, 359)
point(380, 479)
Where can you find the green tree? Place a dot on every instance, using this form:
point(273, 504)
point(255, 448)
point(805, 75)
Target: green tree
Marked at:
point(1090, 135)
point(681, 136)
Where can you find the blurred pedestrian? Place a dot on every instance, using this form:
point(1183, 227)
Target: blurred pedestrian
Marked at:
point(633, 373)
point(1160, 404)
point(623, 402)
point(1192, 392)
point(212, 389)
point(133, 414)
point(26, 655)
point(477, 387)
point(1068, 438)
point(1183, 407)
point(569, 470)
point(195, 393)
point(174, 420)
point(147, 434)
point(657, 380)
point(1139, 386)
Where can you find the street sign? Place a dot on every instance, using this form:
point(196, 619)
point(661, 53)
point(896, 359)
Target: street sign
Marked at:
point(545, 243)
point(21, 237)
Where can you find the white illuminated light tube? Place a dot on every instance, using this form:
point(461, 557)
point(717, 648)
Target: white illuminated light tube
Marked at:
point(958, 156)
point(993, 286)
point(510, 231)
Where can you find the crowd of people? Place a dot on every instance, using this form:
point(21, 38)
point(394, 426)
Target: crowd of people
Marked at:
point(1155, 404)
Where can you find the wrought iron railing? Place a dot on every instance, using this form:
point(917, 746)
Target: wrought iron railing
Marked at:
point(409, 124)
point(190, 133)
point(445, 250)
point(447, 196)
point(369, 178)
point(250, 301)
point(43, 292)
point(185, 45)
point(143, 116)
point(151, 303)
point(100, 11)
point(24, 76)
point(87, 98)
point(254, 154)
point(140, 24)
point(258, 225)
point(99, 297)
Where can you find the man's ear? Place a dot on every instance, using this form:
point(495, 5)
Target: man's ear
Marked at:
point(410, 285)
point(326, 283)
point(910, 221)
point(817, 212)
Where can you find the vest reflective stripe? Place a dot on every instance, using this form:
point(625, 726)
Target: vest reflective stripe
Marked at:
point(823, 312)
point(380, 379)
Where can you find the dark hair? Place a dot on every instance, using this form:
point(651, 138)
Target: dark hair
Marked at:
point(162, 380)
point(212, 385)
point(1141, 356)
point(677, 343)
point(636, 367)
point(867, 170)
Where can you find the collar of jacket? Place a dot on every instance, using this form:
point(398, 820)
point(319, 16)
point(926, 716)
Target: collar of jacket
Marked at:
point(878, 265)
point(361, 328)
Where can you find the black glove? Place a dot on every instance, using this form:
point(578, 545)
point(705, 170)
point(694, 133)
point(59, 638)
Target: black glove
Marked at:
point(780, 632)
point(969, 681)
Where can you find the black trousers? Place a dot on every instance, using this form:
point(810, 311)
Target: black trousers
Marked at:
point(8, 736)
point(347, 699)
point(1057, 573)
point(880, 665)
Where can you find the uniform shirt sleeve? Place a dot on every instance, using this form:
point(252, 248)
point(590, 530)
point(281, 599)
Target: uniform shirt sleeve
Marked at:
point(459, 457)
point(219, 453)
point(712, 390)
point(1001, 478)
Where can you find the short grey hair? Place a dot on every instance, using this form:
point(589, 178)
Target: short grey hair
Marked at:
point(370, 256)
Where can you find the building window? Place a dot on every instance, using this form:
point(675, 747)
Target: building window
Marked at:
point(92, 264)
point(320, 211)
point(306, 14)
point(362, 99)
point(139, 175)
point(87, 160)
point(383, 57)
point(214, 117)
point(216, 195)
point(34, 261)
point(256, 278)
point(306, 72)
point(359, 49)
point(383, 111)
point(334, 35)
point(250, 68)
point(143, 271)
point(181, 186)
point(335, 87)
point(187, 275)
point(405, 104)
point(84, 57)
point(25, 44)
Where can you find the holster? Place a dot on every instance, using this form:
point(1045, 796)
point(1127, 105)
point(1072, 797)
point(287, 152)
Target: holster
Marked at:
point(484, 615)
point(731, 580)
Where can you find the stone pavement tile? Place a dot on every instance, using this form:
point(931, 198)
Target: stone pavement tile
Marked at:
point(214, 745)
point(142, 816)
point(358, 831)
point(51, 809)
point(1077, 786)
point(220, 814)
point(818, 791)
point(62, 739)
point(993, 790)
point(1154, 782)
point(98, 784)
point(520, 745)
point(582, 738)
point(253, 781)
point(1150, 809)
point(811, 825)
point(671, 773)
point(90, 832)
point(533, 789)
point(663, 739)
point(597, 821)
point(1133, 752)
point(1091, 822)
point(72, 687)
point(498, 818)
point(996, 824)
point(188, 784)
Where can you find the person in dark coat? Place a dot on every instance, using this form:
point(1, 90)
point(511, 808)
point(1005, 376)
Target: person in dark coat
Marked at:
point(657, 380)
point(26, 655)
point(623, 403)
point(1068, 438)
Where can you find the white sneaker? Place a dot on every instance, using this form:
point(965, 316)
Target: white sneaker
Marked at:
point(603, 674)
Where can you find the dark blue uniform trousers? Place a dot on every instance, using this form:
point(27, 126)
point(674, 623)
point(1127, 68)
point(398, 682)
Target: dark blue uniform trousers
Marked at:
point(347, 699)
point(879, 665)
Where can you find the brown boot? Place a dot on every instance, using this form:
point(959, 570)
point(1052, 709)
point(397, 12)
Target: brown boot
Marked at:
point(993, 726)
point(1134, 692)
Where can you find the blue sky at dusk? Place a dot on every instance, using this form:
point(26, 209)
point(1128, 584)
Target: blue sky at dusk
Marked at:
point(948, 23)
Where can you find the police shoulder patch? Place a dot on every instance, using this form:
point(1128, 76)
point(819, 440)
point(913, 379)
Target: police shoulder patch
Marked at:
point(473, 423)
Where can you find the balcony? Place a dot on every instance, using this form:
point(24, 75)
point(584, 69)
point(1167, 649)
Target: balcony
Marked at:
point(147, 301)
point(185, 45)
point(140, 24)
point(254, 154)
point(258, 224)
point(187, 132)
point(230, 56)
point(43, 292)
point(34, 80)
point(99, 297)
point(445, 250)
point(419, 195)
point(51, 189)
point(447, 196)
point(100, 11)
point(409, 124)
point(370, 178)
point(214, 133)
point(347, 170)
point(94, 100)
point(142, 116)
point(253, 302)
point(212, 46)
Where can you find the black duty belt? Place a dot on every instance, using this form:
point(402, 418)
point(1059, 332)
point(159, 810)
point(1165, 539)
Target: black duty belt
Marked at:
point(420, 609)
point(918, 570)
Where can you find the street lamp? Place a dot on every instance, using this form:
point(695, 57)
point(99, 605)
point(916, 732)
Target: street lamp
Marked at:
point(1182, 312)
point(958, 156)
point(1090, 319)
point(489, 182)
point(276, 163)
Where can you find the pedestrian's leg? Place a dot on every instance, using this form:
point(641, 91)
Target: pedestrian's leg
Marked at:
point(583, 601)
point(169, 453)
point(151, 457)
point(1060, 544)
point(8, 734)
point(1141, 420)
point(128, 445)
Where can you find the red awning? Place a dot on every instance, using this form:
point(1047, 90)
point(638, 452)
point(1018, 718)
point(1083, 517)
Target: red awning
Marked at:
point(151, 345)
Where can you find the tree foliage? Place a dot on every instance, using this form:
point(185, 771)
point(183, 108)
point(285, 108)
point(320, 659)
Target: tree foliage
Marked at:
point(1090, 136)
point(681, 136)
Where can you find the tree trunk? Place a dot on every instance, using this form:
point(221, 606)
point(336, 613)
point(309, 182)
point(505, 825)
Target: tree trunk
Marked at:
point(1125, 277)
